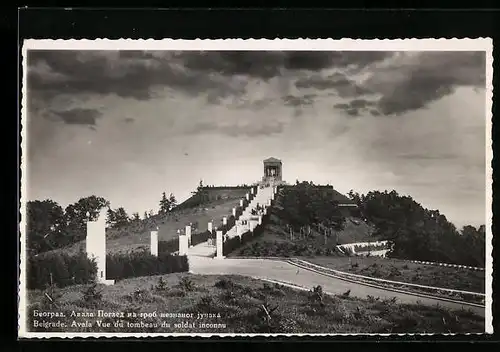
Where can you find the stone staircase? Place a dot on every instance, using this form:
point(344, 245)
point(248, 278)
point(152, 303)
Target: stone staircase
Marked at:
point(261, 198)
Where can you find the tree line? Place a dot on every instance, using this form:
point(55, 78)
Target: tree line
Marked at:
point(49, 226)
point(419, 233)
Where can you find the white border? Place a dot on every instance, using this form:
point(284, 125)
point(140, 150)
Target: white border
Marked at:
point(468, 44)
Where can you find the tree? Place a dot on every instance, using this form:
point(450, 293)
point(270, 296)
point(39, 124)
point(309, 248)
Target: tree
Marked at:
point(173, 201)
point(164, 204)
point(76, 215)
point(46, 227)
point(136, 216)
point(117, 218)
point(201, 193)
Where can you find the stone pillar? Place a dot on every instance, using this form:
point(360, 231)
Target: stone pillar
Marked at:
point(188, 235)
point(251, 190)
point(96, 246)
point(219, 243)
point(241, 202)
point(210, 226)
point(247, 196)
point(154, 243)
point(183, 245)
point(272, 196)
point(265, 211)
point(260, 219)
point(234, 212)
point(224, 220)
point(269, 202)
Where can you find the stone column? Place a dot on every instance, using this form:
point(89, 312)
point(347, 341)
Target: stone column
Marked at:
point(183, 245)
point(234, 212)
point(241, 202)
point(219, 243)
point(247, 196)
point(96, 246)
point(224, 220)
point(260, 219)
point(154, 243)
point(269, 202)
point(210, 226)
point(251, 190)
point(188, 234)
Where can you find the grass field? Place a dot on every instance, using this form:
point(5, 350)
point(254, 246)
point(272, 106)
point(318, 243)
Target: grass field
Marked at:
point(405, 271)
point(233, 304)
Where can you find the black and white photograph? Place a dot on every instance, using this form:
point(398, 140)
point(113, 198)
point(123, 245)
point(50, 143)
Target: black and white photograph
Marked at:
point(255, 187)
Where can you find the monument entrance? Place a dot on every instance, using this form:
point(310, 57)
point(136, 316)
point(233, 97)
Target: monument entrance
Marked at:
point(272, 171)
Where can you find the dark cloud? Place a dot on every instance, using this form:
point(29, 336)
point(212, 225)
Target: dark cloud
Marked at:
point(355, 107)
point(128, 119)
point(134, 73)
point(268, 64)
point(353, 112)
point(294, 101)
point(126, 74)
point(79, 116)
point(343, 86)
point(433, 76)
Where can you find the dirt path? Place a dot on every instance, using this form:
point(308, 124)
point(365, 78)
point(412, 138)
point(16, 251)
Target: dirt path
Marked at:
point(287, 273)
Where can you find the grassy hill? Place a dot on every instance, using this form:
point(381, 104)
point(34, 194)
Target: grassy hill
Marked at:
point(218, 202)
point(277, 241)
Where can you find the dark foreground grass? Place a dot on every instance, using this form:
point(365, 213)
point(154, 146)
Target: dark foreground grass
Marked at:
point(405, 271)
point(231, 304)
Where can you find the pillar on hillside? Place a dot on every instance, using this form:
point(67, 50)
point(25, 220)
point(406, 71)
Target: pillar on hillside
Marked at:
point(183, 245)
point(154, 243)
point(247, 196)
point(269, 202)
point(234, 212)
point(210, 227)
point(260, 219)
point(251, 191)
point(241, 202)
point(219, 243)
point(265, 211)
point(224, 220)
point(96, 246)
point(272, 196)
point(188, 235)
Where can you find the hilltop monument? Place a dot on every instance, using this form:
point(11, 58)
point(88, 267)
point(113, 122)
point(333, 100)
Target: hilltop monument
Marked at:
point(273, 169)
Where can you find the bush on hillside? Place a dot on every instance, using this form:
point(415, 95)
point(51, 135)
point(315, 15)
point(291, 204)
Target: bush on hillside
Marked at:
point(122, 266)
point(59, 269)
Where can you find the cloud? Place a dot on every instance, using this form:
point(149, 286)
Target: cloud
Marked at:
point(296, 101)
point(417, 80)
point(79, 116)
point(356, 107)
point(236, 130)
point(338, 82)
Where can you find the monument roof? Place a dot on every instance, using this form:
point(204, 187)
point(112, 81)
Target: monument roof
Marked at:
point(272, 160)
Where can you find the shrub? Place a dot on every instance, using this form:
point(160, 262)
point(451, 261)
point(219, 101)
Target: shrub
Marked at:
point(186, 284)
point(200, 237)
point(122, 266)
point(168, 246)
point(59, 269)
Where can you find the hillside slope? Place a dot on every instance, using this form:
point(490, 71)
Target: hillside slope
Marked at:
point(136, 235)
point(277, 240)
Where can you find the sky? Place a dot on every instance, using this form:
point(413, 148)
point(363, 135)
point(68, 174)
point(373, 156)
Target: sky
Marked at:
point(129, 125)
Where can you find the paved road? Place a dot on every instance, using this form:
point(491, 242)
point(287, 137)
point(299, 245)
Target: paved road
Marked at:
point(287, 273)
